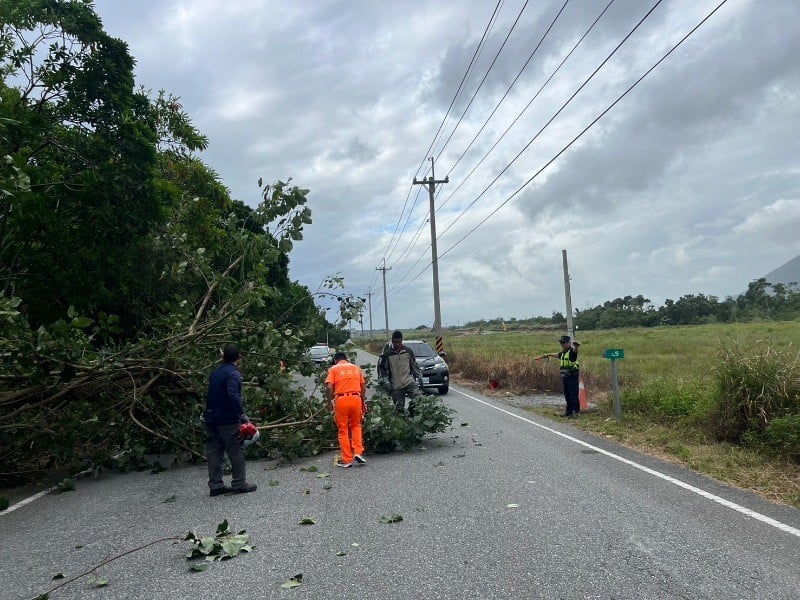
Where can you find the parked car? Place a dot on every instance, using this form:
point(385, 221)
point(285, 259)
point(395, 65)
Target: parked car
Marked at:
point(321, 355)
point(435, 372)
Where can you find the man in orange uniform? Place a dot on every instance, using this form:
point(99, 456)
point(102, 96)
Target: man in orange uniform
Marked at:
point(347, 390)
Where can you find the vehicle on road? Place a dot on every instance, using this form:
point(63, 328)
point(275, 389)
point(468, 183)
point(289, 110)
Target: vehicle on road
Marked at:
point(321, 355)
point(434, 369)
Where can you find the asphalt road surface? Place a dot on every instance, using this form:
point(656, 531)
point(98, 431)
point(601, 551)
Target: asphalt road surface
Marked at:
point(503, 505)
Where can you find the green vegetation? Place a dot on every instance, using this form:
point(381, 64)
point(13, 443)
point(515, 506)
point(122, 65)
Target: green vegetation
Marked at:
point(762, 301)
point(721, 399)
point(125, 266)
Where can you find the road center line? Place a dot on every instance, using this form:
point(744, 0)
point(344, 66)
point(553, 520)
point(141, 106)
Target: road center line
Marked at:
point(708, 495)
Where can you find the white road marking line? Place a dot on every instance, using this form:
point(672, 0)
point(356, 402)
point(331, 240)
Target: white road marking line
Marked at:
point(22, 503)
point(708, 495)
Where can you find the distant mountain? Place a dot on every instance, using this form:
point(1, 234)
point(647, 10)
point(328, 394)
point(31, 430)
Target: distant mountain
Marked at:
point(786, 273)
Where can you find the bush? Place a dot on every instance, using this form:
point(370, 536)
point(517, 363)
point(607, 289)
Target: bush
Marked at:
point(782, 436)
point(755, 388)
point(387, 431)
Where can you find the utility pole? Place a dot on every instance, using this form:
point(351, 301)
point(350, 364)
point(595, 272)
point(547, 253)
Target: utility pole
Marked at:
point(430, 183)
point(369, 304)
point(568, 295)
point(384, 268)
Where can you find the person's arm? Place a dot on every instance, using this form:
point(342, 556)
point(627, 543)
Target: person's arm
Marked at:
point(235, 395)
point(413, 364)
point(329, 393)
point(383, 365)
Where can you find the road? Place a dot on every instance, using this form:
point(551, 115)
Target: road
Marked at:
point(504, 505)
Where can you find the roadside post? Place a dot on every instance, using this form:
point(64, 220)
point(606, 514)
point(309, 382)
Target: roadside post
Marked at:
point(615, 354)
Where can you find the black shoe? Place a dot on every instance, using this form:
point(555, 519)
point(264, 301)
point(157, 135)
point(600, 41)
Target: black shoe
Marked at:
point(246, 488)
point(566, 415)
point(219, 491)
point(360, 460)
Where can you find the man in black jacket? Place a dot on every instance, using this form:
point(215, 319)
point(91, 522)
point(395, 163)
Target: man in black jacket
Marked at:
point(224, 415)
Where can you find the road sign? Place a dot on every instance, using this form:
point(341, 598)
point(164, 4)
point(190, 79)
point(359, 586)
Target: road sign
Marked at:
point(614, 353)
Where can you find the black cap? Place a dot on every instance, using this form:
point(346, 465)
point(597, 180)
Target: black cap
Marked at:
point(339, 355)
point(564, 339)
point(397, 335)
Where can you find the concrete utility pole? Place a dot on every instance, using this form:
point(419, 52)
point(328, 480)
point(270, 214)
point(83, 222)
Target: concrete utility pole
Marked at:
point(384, 268)
point(568, 296)
point(430, 183)
point(369, 303)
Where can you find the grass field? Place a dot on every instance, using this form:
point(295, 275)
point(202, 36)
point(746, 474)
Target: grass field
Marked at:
point(669, 380)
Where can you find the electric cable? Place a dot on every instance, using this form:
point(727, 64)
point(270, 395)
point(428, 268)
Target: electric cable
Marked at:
point(577, 137)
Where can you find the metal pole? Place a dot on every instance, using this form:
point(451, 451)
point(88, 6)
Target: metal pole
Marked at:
point(369, 302)
point(430, 183)
point(615, 381)
point(385, 301)
point(568, 295)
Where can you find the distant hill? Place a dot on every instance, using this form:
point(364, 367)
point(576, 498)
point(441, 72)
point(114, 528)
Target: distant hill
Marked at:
point(787, 273)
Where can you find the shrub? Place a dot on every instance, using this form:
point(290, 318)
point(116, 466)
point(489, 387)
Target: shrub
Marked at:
point(754, 388)
point(782, 436)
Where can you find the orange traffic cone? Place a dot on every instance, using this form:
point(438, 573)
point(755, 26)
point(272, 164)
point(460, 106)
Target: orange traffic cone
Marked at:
point(584, 403)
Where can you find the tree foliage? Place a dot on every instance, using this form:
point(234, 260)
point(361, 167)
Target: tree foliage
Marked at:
point(127, 266)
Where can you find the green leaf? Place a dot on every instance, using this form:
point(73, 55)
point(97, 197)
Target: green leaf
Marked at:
point(58, 576)
point(82, 322)
point(170, 500)
point(222, 527)
point(311, 469)
point(98, 581)
point(323, 475)
point(273, 482)
point(233, 545)
point(391, 518)
point(293, 582)
point(71, 311)
point(307, 521)
point(201, 566)
point(341, 553)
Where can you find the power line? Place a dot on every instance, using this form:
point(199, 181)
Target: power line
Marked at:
point(395, 237)
point(483, 80)
point(527, 106)
point(558, 112)
point(578, 136)
point(499, 139)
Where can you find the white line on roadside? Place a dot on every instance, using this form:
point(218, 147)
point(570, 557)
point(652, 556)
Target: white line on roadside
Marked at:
point(708, 495)
point(22, 503)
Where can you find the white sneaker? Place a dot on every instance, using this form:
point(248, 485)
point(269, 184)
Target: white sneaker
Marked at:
point(344, 465)
point(360, 459)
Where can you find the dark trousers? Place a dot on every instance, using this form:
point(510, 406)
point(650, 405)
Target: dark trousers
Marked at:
point(399, 398)
point(221, 440)
point(571, 394)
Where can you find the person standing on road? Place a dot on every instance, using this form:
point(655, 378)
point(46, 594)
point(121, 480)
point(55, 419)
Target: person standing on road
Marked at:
point(569, 371)
point(224, 415)
point(346, 389)
point(398, 364)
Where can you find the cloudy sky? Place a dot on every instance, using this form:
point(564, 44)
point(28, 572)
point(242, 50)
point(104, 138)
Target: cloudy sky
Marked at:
point(688, 184)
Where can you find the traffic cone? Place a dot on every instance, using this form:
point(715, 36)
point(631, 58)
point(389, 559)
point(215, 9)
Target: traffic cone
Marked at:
point(584, 403)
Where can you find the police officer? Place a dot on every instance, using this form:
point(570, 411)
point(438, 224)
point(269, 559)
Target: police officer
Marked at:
point(569, 372)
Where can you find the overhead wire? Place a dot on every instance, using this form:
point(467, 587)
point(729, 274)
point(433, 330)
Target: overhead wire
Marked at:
point(394, 240)
point(578, 136)
point(555, 115)
point(527, 106)
point(514, 121)
point(485, 76)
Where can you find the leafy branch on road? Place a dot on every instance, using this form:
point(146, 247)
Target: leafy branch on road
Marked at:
point(223, 545)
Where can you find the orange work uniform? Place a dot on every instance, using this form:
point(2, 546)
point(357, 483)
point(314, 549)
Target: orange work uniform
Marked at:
point(348, 383)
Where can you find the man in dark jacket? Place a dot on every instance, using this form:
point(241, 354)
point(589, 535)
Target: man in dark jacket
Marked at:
point(398, 364)
point(224, 415)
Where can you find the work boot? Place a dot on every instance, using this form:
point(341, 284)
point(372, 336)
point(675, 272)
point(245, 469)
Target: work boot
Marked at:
point(219, 491)
point(247, 487)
